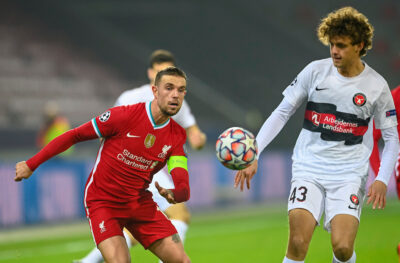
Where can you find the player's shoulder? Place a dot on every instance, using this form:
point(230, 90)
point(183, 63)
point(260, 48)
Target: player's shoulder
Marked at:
point(178, 129)
point(373, 75)
point(320, 64)
point(140, 106)
point(317, 67)
point(130, 108)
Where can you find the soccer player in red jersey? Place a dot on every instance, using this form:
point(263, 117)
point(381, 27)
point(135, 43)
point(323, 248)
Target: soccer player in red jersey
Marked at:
point(139, 140)
point(374, 159)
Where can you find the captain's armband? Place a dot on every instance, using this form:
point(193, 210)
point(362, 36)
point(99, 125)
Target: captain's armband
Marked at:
point(177, 161)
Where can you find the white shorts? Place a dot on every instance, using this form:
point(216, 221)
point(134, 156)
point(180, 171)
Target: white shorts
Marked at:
point(164, 179)
point(333, 198)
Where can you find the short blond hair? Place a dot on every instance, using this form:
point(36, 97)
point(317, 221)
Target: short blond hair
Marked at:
point(347, 21)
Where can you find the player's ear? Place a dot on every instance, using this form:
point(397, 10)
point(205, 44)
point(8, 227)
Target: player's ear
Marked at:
point(360, 46)
point(154, 89)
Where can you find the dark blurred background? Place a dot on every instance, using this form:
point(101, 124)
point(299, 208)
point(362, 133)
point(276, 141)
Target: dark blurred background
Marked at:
point(72, 59)
point(239, 55)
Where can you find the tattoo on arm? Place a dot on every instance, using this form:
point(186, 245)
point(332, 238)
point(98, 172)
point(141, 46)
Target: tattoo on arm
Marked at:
point(176, 238)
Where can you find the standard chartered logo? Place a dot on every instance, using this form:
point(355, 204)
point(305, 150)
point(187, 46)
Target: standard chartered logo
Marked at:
point(135, 161)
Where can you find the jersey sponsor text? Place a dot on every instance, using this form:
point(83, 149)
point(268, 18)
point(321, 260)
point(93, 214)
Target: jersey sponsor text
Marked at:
point(134, 160)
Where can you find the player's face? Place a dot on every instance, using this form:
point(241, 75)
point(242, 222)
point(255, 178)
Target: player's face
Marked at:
point(170, 94)
point(152, 72)
point(344, 54)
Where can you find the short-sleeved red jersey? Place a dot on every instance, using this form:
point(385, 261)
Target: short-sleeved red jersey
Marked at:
point(133, 149)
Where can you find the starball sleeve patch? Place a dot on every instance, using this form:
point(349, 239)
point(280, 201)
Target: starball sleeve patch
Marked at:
point(105, 116)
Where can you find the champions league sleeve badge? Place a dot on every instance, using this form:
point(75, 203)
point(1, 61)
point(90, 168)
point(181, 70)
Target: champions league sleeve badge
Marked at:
point(105, 116)
point(391, 113)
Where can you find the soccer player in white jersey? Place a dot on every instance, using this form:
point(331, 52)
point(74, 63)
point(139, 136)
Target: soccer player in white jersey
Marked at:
point(330, 159)
point(177, 213)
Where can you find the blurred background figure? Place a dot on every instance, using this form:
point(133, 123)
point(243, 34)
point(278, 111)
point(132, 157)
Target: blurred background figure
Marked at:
point(375, 160)
point(54, 124)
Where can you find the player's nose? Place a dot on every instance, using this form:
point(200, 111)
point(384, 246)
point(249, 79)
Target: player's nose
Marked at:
point(175, 93)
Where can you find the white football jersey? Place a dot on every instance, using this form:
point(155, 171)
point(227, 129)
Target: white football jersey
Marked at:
point(184, 117)
point(336, 140)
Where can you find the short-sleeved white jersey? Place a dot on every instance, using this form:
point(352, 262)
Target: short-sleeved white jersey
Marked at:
point(336, 140)
point(184, 117)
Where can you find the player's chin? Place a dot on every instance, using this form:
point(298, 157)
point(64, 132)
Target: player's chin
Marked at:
point(337, 62)
point(172, 110)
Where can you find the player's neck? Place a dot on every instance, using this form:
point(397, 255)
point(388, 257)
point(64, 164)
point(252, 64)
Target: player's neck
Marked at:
point(158, 116)
point(352, 70)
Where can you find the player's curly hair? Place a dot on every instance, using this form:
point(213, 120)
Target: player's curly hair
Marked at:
point(347, 21)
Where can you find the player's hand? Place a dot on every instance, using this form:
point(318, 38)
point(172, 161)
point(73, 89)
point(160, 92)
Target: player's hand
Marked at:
point(22, 171)
point(166, 193)
point(246, 175)
point(377, 194)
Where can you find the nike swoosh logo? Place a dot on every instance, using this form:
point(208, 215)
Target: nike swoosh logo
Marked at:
point(350, 207)
point(317, 89)
point(132, 136)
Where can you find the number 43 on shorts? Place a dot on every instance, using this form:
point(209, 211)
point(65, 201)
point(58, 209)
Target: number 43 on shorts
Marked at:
point(299, 194)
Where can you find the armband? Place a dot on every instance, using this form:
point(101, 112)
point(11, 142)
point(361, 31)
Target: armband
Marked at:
point(177, 161)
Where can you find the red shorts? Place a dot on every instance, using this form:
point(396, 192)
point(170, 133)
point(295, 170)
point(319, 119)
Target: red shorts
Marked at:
point(143, 219)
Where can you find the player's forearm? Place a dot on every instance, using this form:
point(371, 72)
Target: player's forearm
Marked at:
point(180, 177)
point(390, 154)
point(62, 143)
point(274, 124)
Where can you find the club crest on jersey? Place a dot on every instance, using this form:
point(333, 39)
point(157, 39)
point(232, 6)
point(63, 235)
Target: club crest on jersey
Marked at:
point(105, 116)
point(149, 140)
point(354, 199)
point(102, 227)
point(165, 150)
point(315, 118)
point(359, 99)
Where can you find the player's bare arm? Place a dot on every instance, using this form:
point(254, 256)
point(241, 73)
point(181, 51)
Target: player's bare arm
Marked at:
point(377, 195)
point(166, 193)
point(22, 171)
point(246, 175)
point(176, 238)
point(196, 137)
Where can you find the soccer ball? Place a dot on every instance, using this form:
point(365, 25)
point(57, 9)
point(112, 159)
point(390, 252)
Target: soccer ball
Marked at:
point(236, 148)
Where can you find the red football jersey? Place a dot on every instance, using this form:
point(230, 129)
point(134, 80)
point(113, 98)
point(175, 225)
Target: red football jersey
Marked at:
point(133, 149)
point(374, 159)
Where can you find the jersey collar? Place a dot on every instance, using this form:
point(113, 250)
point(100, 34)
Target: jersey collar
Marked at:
point(151, 119)
point(355, 78)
